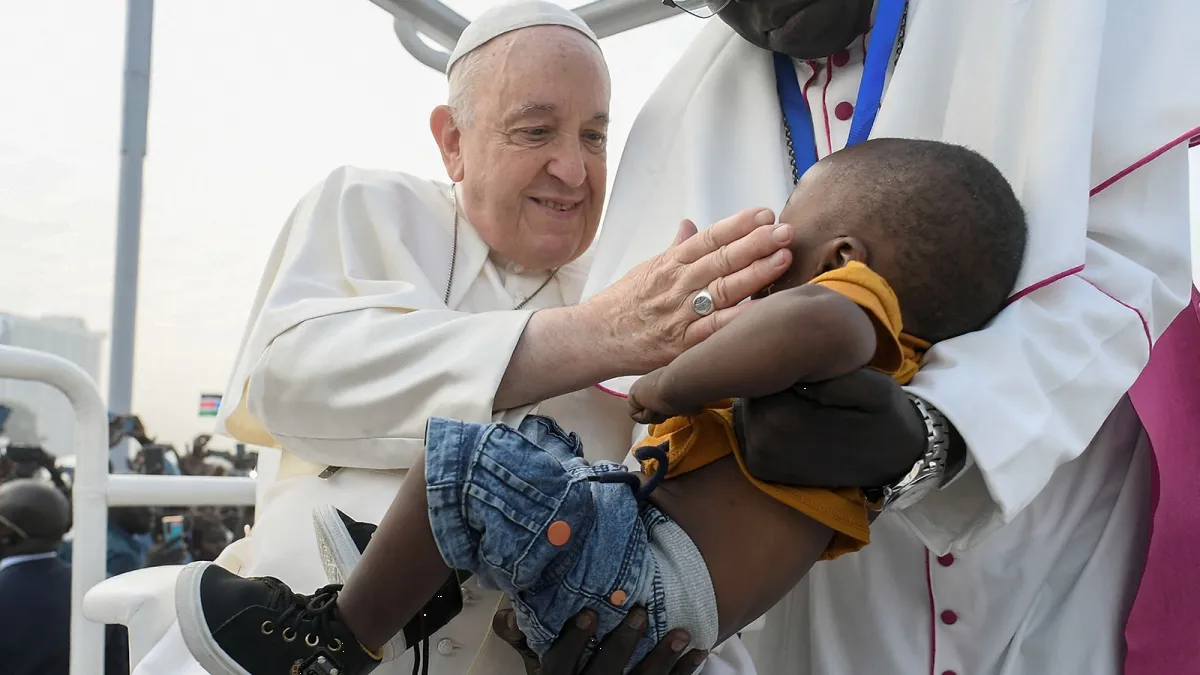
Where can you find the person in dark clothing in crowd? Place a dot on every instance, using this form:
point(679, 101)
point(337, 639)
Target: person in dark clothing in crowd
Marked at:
point(209, 536)
point(35, 586)
point(129, 539)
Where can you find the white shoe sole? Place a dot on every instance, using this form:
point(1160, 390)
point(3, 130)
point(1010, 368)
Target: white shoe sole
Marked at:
point(339, 555)
point(196, 635)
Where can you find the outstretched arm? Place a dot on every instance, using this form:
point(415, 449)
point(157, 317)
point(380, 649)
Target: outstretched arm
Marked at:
point(804, 334)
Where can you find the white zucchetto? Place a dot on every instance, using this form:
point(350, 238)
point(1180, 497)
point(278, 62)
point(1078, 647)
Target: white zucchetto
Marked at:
point(512, 16)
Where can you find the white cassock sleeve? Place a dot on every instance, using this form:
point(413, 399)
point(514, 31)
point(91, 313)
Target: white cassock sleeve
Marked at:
point(350, 347)
point(1030, 391)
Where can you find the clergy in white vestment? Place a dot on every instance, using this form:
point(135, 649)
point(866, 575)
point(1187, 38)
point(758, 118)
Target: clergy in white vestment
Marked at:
point(1025, 557)
point(389, 298)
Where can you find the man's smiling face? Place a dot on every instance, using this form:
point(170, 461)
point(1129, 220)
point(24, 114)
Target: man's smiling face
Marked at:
point(804, 29)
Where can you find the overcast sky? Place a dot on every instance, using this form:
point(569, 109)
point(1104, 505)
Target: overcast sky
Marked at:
point(252, 102)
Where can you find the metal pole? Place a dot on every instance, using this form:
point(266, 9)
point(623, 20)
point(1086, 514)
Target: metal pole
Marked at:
point(443, 25)
point(610, 17)
point(437, 21)
point(406, 31)
point(138, 32)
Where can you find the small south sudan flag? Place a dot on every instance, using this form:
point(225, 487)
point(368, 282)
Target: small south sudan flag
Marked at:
point(209, 403)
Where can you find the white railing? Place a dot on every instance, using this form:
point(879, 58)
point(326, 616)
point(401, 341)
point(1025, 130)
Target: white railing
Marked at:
point(442, 25)
point(94, 490)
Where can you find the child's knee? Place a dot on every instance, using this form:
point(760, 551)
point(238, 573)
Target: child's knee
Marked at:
point(508, 508)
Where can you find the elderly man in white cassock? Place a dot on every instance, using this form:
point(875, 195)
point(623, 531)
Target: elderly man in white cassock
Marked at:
point(1018, 542)
point(390, 298)
point(1025, 555)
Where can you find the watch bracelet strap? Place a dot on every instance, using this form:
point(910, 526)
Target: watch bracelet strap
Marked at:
point(938, 433)
point(876, 495)
point(935, 459)
point(956, 449)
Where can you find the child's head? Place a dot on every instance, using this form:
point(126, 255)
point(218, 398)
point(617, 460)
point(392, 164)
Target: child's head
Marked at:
point(938, 221)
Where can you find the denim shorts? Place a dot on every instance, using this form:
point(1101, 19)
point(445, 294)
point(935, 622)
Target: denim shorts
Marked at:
point(519, 508)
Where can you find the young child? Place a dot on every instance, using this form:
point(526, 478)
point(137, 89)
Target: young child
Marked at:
point(710, 549)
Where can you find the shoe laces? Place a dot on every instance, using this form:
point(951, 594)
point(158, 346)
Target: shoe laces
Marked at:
point(318, 611)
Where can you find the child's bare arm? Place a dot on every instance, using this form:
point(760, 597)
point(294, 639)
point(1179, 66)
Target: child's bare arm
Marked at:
point(803, 334)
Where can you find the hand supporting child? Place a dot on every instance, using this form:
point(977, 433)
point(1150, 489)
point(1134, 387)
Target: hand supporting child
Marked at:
point(614, 652)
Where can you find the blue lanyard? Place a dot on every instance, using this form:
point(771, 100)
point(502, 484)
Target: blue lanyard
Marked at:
point(888, 17)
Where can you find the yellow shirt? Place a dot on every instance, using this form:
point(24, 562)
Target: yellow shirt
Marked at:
point(696, 441)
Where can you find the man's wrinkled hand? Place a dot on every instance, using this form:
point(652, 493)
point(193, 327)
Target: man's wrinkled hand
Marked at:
point(859, 429)
point(614, 652)
point(649, 310)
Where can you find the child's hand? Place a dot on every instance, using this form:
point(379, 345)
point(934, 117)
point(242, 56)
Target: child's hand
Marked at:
point(644, 416)
point(645, 404)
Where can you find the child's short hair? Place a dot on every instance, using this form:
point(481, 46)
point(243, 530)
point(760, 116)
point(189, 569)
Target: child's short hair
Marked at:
point(953, 224)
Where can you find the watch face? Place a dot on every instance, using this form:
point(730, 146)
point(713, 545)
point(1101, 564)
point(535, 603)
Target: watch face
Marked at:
point(912, 492)
point(905, 500)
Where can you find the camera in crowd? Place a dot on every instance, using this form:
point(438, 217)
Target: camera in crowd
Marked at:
point(30, 461)
point(199, 533)
point(151, 460)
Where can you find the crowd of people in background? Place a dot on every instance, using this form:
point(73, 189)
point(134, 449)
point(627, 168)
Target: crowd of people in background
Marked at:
point(36, 540)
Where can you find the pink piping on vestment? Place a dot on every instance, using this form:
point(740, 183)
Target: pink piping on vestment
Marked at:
point(825, 104)
point(932, 616)
point(1042, 284)
point(816, 71)
point(1126, 305)
point(1190, 135)
point(611, 392)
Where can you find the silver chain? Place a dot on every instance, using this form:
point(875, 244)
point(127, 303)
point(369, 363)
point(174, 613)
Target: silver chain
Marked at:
point(454, 259)
point(787, 134)
point(787, 130)
point(900, 34)
point(453, 251)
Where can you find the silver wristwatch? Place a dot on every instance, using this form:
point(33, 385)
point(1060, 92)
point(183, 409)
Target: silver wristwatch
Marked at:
point(929, 473)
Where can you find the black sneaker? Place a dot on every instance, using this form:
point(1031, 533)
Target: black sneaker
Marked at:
point(258, 626)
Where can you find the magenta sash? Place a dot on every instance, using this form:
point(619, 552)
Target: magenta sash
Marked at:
point(1163, 631)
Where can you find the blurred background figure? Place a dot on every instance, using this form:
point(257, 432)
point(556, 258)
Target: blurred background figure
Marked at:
point(35, 586)
point(208, 534)
point(132, 544)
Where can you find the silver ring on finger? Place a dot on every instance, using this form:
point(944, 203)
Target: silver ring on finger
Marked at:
point(702, 302)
